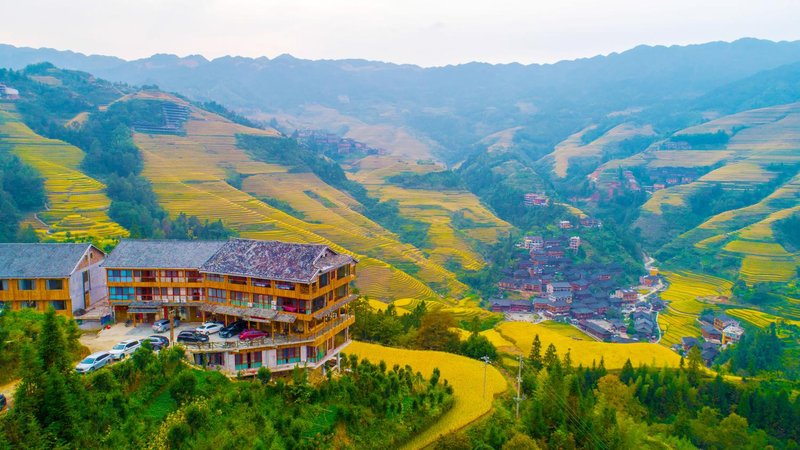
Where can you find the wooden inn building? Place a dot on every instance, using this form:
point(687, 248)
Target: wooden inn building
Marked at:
point(297, 293)
point(67, 277)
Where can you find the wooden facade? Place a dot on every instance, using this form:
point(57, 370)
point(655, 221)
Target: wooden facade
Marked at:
point(307, 321)
point(68, 284)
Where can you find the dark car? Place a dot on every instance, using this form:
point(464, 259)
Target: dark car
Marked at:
point(158, 342)
point(252, 334)
point(191, 336)
point(3, 402)
point(232, 329)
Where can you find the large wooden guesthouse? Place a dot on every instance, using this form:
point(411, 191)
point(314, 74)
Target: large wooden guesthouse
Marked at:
point(297, 293)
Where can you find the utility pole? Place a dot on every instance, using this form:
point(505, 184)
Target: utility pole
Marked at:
point(172, 326)
point(518, 399)
point(485, 360)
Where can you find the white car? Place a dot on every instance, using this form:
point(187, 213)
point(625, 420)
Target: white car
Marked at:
point(209, 328)
point(93, 362)
point(125, 348)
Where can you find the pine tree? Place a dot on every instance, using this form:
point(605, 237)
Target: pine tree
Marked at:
point(626, 375)
point(535, 357)
point(550, 356)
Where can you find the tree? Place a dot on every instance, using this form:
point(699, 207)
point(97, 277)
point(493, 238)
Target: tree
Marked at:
point(264, 375)
point(436, 332)
point(535, 357)
point(520, 442)
point(550, 356)
point(626, 375)
point(695, 363)
point(477, 346)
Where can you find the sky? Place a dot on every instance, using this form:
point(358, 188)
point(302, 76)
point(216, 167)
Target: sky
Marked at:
point(423, 32)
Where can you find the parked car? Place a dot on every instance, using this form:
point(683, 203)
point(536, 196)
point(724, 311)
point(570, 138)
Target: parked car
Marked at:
point(209, 328)
point(158, 342)
point(252, 334)
point(233, 329)
point(161, 325)
point(93, 362)
point(192, 336)
point(3, 402)
point(125, 348)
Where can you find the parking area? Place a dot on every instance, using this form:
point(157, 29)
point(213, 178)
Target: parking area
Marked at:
point(105, 339)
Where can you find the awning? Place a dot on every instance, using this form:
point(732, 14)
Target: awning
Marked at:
point(142, 310)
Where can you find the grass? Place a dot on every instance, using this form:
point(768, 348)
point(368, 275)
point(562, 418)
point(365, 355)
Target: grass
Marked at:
point(572, 147)
point(464, 374)
point(583, 348)
point(77, 206)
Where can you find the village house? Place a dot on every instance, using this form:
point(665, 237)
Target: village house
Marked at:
point(711, 334)
point(533, 242)
point(628, 296)
point(722, 321)
point(558, 286)
point(66, 277)
point(8, 93)
point(296, 293)
point(536, 199)
point(564, 224)
point(589, 222)
point(513, 306)
point(687, 342)
point(574, 243)
point(732, 334)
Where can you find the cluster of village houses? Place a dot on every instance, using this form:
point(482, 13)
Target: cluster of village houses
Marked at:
point(586, 295)
point(8, 93)
point(550, 284)
point(335, 145)
point(718, 331)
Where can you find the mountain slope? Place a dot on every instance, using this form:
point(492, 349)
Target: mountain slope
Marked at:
point(77, 206)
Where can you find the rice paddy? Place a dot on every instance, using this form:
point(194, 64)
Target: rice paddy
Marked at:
point(583, 348)
point(758, 318)
point(388, 270)
point(573, 147)
point(464, 374)
point(685, 288)
point(77, 206)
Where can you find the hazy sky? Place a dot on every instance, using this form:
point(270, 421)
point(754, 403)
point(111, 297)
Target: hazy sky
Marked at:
point(425, 32)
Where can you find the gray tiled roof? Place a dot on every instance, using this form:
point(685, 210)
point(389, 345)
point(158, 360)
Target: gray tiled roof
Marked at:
point(274, 260)
point(167, 254)
point(49, 260)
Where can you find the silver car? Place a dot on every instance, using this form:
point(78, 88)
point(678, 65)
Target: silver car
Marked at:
point(93, 362)
point(161, 325)
point(125, 348)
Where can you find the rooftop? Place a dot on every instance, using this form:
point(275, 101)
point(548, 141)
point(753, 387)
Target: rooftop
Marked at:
point(47, 260)
point(171, 254)
point(274, 260)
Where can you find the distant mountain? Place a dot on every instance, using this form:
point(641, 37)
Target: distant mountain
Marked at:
point(454, 106)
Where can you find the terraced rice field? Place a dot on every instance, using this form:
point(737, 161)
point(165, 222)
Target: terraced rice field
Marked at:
point(77, 206)
point(680, 318)
point(572, 147)
point(758, 318)
point(209, 150)
point(464, 374)
point(584, 349)
point(434, 208)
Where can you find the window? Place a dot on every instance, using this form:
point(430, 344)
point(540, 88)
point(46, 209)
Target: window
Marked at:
point(215, 277)
point(342, 291)
point(314, 354)
point(87, 280)
point(210, 359)
point(4, 305)
point(26, 285)
point(217, 295)
point(262, 301)
point(318, 303)
point(324, 279)
point(288, 355)
point(58, 305)
point(240, 298)
point(3, 285)
point(30, 304)
point(237, 280)
point(171, 276)
point(250, 360)
point(343, 271)
point(285, 286)
point(194, 276)
point(260, 283)
point(120, 276)
point(121, 293)
point(54, 285)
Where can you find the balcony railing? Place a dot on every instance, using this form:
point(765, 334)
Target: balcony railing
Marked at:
point(279, 339)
